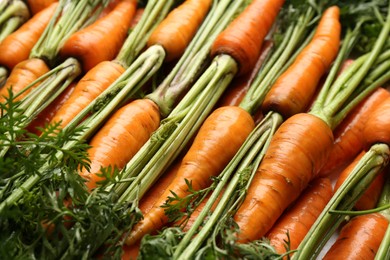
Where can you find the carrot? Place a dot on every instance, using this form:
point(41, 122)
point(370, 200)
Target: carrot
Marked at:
point(190, 14)
point(38, 5)
point(22, 75)
point(120, 138)
point(101, 40)
point(48, 113)
point(243, 38)
point(371, 196)
point(17, 46)
point(88, 88)
point(348, 135)
point(359, 238)
point(377, 127)
point(216, 143)
point(301, 216)
point(294, 89)
point(278, 182)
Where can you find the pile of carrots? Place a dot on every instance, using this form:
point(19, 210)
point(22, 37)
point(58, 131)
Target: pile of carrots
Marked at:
point(270, 170)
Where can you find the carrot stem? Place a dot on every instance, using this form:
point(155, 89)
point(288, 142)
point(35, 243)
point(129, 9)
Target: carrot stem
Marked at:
point(154, 13)
point(360, 212)
point(11, 25)
point(14, 9)
point(384, 249)
point(345, 197)
point(3, 76)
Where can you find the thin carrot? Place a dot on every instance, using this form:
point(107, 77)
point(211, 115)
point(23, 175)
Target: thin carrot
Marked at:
point(287, 98)
point(101, 40)
point(181, 24)
point(301, 216)
point(359, 238)
point(17, 46)
point(38, 5)
point(120, 138)
point(216, 143)
point(23, 74)
point(248, 29)
point(348, 135)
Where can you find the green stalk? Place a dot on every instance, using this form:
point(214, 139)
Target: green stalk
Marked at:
point(10, 26)
point(384, 249)
point(3, 76)
point(186, 118)
point(70, 17)
point(14, 9)
point(344, 198)
point(155, 12)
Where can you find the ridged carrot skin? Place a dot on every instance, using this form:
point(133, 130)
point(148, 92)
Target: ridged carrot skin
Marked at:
point(348, 135)
point(377, 127)
point(18, 45)
point(294, 89)
point(295, 155)
point(301, 216)
point(121, 137)
point(102, 40)
point(243, 38)
point(21, 76)
point(88, 88)
point(181, 24)
point(218, 140)
point(360, 238)
point(38, 5)
point(370, 197)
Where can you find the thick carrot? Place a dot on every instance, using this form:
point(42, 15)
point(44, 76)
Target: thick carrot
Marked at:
point(181, 24)
point(301, 216)
point(278, 182)
point(17, 46)
point(349, 134)
point(120, 138)
point(38, 5)
point(48, 113)
point(294, 89)
point(249, 30)
point(22, 75)
point(360, 238)
point(101, 40)
point(377, 127)
point(218, 139)
point(88, 88)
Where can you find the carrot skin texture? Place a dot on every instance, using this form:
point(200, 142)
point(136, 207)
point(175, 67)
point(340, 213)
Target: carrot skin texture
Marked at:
point(18, 45)
point(38, 5)
point(101, 40)
point(359, 238)
point(88, 88)
point(219, 138)
point(180, 24)
point(22, 75)
point(243, 38)
point(296, 153)
point(298, 219)
point(294, 89)
point(377, 127)
point(349, 134)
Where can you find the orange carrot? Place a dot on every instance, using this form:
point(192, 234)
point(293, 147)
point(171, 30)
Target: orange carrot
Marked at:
point(22, 75)
point(359, 238)
point(298, 219)
point(48, 113)
point(101, 40)
point(121, 137)
point(249, 30)
point(371, 196)
point(190, 14)
point(218, 140)
point(278, 182)
point(89, 87)
point(349, 134)
point(377, 127)
point(17, 46)
point(38, 5)
point(294, 89)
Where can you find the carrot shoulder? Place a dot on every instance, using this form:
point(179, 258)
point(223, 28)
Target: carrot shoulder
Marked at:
point(101, 40)
point(18, 45)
